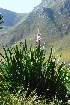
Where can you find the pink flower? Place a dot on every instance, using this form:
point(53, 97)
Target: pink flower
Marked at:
point(38, 37)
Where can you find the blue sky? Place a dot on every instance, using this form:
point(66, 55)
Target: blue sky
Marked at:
point(19, 6)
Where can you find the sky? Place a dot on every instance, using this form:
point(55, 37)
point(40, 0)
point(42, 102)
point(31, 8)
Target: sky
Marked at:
point(19, 6)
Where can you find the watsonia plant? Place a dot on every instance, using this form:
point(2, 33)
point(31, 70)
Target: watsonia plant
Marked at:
point(27, 71)
point(22, 67)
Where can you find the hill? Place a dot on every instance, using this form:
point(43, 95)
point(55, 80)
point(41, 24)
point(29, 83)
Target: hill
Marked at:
point(11, 18)
point(54, 19)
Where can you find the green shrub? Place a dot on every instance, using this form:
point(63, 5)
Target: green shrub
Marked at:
point(28, 70)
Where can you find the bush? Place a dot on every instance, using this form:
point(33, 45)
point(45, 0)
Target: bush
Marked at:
point(1, 21)
point(27, 70)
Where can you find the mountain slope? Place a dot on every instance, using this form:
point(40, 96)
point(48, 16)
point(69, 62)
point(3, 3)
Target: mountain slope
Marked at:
point(54, 19)
point(10, 18)
point(51, 21)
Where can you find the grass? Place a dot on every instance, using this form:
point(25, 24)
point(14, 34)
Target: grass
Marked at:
point(20, 99)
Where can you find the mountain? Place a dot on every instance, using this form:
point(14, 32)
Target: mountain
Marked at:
point(10, 18)
point(54, 19)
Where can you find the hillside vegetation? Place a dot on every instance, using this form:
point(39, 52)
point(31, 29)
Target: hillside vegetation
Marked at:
point(54, 19)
